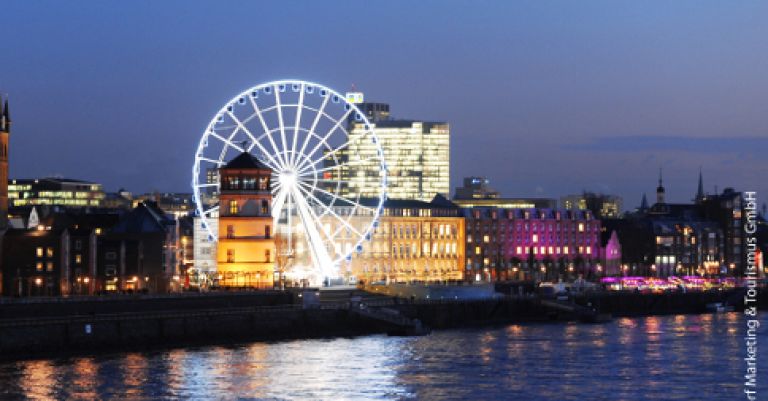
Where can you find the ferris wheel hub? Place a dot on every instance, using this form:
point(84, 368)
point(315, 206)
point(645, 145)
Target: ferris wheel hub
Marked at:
point(287, 178)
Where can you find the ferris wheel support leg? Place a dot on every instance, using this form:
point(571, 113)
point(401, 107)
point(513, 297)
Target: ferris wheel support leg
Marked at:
point(322, 260)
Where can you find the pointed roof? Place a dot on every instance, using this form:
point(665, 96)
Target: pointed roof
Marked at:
point(245, 161)
point(660, 188)
point(644, 203)
point(700, 191)
point(147, 217)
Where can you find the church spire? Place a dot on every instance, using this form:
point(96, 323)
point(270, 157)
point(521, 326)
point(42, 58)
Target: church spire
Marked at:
point(660, 189)
point(700, 191)
point(644, 203)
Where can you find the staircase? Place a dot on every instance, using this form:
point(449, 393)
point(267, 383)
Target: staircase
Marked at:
point(398, 325)
point(584, 314)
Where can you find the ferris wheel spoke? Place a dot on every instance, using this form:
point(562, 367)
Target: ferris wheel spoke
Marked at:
point(226, 141)
point(299, 108)
point(276, 91)
point(266, 131)
point(253, 138)
point(311, 222)
point(211, 210)
point(277, 205)
point(330, 211)
point(323, 140)
point(355, 205)
point(320, 112)
point(327, 156)
point(273, 164)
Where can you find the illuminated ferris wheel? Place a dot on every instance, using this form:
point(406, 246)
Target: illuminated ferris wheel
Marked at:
point(300, 130)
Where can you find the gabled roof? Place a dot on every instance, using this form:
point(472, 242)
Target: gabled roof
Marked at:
point(245, 161)
point(145, 218)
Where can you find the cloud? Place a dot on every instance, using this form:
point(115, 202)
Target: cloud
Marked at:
point(743, 145)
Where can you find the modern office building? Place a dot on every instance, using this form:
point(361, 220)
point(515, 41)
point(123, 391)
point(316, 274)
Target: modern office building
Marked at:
point(508, 203)
point(417, 155)
point(62, 192)
point(476, 188)
point(477, 192)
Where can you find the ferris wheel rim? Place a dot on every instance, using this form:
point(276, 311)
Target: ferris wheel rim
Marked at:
point(279, 159)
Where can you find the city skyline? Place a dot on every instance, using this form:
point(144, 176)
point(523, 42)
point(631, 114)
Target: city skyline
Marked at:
point(554, 101)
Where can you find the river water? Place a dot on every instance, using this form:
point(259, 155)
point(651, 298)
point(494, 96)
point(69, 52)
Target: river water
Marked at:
point(650, 358)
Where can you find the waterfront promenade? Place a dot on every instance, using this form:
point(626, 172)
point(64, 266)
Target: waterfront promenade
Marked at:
point(31, 328)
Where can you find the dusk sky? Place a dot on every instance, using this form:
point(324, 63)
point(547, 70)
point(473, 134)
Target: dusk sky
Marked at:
point(546, 98)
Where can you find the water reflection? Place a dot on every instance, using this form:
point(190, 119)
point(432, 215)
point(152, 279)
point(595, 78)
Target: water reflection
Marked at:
point(629, 359)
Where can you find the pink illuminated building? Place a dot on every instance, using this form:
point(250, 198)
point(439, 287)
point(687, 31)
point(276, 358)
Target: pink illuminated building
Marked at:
point(543, 244)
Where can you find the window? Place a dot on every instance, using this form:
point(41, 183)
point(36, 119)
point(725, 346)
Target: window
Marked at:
point(110, 271)
point(263, 183)
point(230, 231)
point(264, 207)
point(78, 245)
point(267, 255)
point(230, 255)
point(233, 209)
point(111, 256)
point(267, 231)
point(535, 238)
point(39, 266)
point(49, 252)
point(39, 252)
point(581, 227)
point(49, 266)
point(486, 239)
point(78, 258)
point(233, 182)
